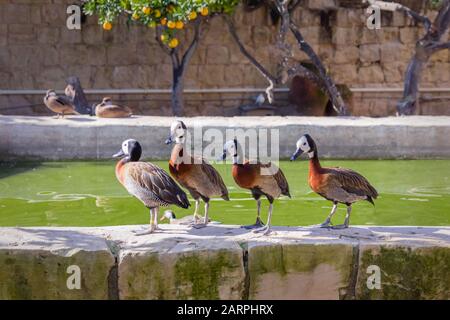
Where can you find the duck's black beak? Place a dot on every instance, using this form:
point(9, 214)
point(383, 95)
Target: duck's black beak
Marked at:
point(169, 140)
point(297, 154)
point(119, 154)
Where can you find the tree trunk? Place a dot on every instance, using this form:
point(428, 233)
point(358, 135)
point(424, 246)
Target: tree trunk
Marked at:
point(177, 91)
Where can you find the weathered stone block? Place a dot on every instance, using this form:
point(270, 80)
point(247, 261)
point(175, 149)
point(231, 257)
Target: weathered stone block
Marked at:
point(299, 271)
point(369, 53)
point(371, 74)
point(346, 54)
point(406, 272)
point(177, 269)
point(35, 264)
point(217, 55)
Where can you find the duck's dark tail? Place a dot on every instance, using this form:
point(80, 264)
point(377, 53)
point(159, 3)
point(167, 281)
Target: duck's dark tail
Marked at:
point(369, 198)
point(183, 201)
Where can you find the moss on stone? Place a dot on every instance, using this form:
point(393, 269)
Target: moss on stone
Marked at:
point(43, 275)
point(298, 258)
point(421, 273)
point(204, 273)
point(191, 275)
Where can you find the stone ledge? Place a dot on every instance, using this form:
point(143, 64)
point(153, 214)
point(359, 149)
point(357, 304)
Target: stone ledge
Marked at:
point(225, 262)
point(83, 137)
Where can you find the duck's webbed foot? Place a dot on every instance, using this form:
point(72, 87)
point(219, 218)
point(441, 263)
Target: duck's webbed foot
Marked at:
point(258, 224)
point(266, 230)
point(150, 230)
point(326, 224)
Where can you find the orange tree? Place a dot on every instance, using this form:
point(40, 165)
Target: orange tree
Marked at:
point(169, 18)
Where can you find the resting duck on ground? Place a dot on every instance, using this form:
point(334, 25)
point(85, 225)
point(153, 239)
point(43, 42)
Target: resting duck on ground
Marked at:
point(195, 174)
point(170, 215)
point(261, 179)
point(61, 105)
point(107, 109)
point(338, 185)
point(147, 182)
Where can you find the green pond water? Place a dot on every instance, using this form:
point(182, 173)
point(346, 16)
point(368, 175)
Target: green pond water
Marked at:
point(88, 194)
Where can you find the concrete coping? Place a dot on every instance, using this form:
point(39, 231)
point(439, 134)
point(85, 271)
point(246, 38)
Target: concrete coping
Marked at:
point(84, 137)
point(226, 262)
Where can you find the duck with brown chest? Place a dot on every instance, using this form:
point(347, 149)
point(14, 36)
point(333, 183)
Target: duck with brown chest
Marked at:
point(261, 179)
point(106, 109)
point(61, 105)
point(194, 173)
point(147, 182)
point(338, 185)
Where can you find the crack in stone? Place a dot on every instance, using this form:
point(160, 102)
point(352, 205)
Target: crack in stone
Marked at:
point(113, 274)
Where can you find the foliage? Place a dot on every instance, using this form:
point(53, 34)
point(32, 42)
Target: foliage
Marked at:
point(170, 15)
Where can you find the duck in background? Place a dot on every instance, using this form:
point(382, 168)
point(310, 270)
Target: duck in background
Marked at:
point(147, 182)
point(338, 185)
point(61, 105)
point(194, 173)
point(106, 109)
point(261, 179)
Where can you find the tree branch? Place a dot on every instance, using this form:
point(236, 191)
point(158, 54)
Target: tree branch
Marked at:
point(440, 46)
point(193, 46)
point(158, 34)
point(333, 92)
point(265, 73)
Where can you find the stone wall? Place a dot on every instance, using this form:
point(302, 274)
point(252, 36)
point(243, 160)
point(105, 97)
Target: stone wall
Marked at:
point(84, 137)
point(225, 262)
point(37, 51)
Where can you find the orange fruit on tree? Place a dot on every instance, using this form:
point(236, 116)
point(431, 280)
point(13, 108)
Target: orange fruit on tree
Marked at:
point(164, 21)
point(179, 25)
point(171, 24)
point(146, 10)
point(163, 37)
point(157, 13)
point(135, 16)
point(192, 15)
point(107, 25)
point(173, 43)
point(204, 11)
point(152, 24)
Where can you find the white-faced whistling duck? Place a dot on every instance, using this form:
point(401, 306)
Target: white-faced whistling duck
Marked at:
point(107, 109)
point(195, 174)
point(338, 185)
point(61, 105)
point(261, 179)
point(147, 182)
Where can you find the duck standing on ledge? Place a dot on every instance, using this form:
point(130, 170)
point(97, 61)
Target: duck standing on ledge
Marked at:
point(147, 182)
point(195, 174)
point(338, 185)
point(59, 104)
point(107, 109)
point(271, 184)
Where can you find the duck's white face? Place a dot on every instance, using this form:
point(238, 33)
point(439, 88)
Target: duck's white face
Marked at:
point(178, 131)
point(51, 93)
point(303, 144)
point(126, 146)
point(229, 148)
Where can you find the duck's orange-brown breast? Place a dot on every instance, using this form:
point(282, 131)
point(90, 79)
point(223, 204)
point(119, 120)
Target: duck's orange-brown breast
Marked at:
point(245, 175)
point(317, 179)
point(120, 171)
